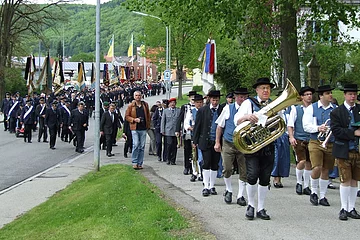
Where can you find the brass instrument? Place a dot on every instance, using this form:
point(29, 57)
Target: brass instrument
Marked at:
point(195, 162)
point(250, 138)
point(323, 144)
point(325, 135)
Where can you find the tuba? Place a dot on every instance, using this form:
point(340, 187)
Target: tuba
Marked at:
point(249, 138)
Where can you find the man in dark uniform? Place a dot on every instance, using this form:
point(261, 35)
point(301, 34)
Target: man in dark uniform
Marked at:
point(79, 124)
point(13, 108)
point(4, 108)
point(103, 109)
point(65, 114)
point(28, 119)
point(40, 112)
point(107, 126)
point(52, 121)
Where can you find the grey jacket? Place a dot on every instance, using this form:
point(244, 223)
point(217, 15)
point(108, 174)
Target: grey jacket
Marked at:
point(168, 121)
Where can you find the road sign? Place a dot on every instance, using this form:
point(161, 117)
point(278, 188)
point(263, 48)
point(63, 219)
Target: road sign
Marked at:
point(167, 75)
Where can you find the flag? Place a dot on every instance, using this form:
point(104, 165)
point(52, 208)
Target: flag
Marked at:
point(106, 74)
point(48, 86)
point(131, 46)
point(93, 78)
point(209, 67)
point(81, 76)
point(111, 48)
point(29, 74)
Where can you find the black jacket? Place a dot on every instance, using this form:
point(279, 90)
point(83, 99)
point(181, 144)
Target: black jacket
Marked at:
point(107, 125)
point(52, 118)
point(77, 120)
point(30, 118)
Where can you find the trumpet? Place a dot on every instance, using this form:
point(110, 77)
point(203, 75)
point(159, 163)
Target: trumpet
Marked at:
point(323, 135)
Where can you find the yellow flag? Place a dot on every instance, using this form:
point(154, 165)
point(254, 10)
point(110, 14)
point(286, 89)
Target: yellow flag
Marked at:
point(131, 43)
point(111, 48)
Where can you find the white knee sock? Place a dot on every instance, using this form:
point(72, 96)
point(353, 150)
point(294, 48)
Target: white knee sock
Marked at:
point(251, 191)
point(344, 196)
point(299, 175)
point(323, 187)
point(307, 174)
point(206, 178)
point(242, 186)
point(314, 185)
point(352, 197)
point(228, 184)
point(213, 175)
point(262, 192)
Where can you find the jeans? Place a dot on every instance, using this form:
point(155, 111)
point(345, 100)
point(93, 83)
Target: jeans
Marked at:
point(139, 138)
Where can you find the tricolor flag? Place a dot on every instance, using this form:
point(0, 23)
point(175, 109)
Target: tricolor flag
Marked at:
point(209, 67)
point(131, 46)
point(111, 48)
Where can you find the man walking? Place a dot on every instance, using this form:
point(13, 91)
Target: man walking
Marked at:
point(40, 116)
point(79, 124)
point(107, 126)
point(28, 119)
point(52, 121)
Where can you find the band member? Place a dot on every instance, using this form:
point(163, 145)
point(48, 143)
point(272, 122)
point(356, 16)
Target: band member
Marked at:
point(109, 121)
point(259, 164)
point(28, 119)
point(180, 130)
point(13, 108)
point(156, 118)
point(225, 129)
point(52, 122)
point(346, 149)
point(40, 115)
point(316, 122)
point(299, 140)
point(204, 138)
point(4, 108)
point(79, 121)
point(138, 115)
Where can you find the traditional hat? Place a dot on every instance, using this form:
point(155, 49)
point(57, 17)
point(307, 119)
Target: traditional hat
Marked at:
point(230, 95)
point(350, 88)
point(55, 103)
point(263, 81)
point(306, 89)
point(165, 101)
point(214, 93)
point(240, 90)
point(106, 103)
point(198, 97)
point(172, 100)
point(41, 99)
point(192, 93)
point(324, 88)
point(28, 100)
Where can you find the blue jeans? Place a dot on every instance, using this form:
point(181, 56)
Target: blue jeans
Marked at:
point(138, 138)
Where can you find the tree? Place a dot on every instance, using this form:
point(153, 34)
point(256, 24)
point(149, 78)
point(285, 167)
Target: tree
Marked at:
point(85, 57)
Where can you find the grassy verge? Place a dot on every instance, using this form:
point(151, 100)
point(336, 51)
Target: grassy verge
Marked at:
point(116, 203)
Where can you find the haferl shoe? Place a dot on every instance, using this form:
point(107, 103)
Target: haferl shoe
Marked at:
point(228, 197)
point(241, 201)
point(250, 212)
point(200, 179)
point(314, 199)
point(193, 178)
point(343, 215)
point(299, 189)
point(307, 191)
point(324, 202)
point(213, 191)
point(353, 214)
point(262, 214)
point(205, 192)
point(186, 171)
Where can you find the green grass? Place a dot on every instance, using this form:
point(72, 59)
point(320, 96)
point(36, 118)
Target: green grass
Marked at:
point(115, 203)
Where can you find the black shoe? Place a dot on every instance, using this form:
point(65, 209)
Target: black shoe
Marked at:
point(213, 191)
point(62, 139)
point(53, 148)
point(24, 140)
point(241, 201)
point(331, 186)
point(186, 171)
point(172, 163)
point(29, 141)
point(125, 155)
point(228, 197)
point(159, 159)
point(110, 154)
point(324, 202)
point(314, 199)
point(38, 140)
point(193, 178)
point(343, 215)
point(299, 189)
point(278, 185)
point(45, 141)
point(307, 191)
point(250, 212)
point(200, 178)
point(205, 192)
point(114, 145)
point(262, 214)
point(168, 163)
point(353, 214)
point(358, 193)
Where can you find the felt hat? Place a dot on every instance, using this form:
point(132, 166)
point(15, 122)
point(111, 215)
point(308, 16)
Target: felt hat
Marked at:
point(263, 81)
point(324, 88)
point(350, 88)
point(192, 93)
point(198, 97)
point(214, 93)
point(240, 90)
point(306, 89)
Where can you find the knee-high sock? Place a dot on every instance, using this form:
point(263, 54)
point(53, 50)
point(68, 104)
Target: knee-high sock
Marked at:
point(262, 192)
point(307, 174)
point(344, 196)
point(314, 185)
point(206, 178)
point(299, 175)
point(251, 191)
point(228, 184)
point(352, 197)
point(242, 186)
point(323, 187)
point(213, 175)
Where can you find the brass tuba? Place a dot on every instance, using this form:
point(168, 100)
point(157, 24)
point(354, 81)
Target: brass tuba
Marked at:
point(250, 138)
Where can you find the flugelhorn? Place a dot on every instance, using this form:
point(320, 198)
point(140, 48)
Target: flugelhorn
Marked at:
point(250, 138)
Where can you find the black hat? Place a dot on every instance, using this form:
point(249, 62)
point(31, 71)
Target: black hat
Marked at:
point(28, 100)
point(41, 99)
point(192, 93)
point(230, 95)
point(7, 94)
point(324, 88)
point(240, 90)
point(198, 97)
point(214, 93)
point(165, 101)
point(350, 88)
point(55, 103)
point(263, 81)
point(306, 89)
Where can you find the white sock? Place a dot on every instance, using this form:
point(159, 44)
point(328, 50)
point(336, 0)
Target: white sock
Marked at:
point(352, 198)
point(314, 185)
point(299, 174)
point(307, 174)
point(228, 184)
point(262, 192)
point(242, 186)
point(251, 191)
point(323, 187)
point(206, 178)
point(344, 196)
point(213, 175)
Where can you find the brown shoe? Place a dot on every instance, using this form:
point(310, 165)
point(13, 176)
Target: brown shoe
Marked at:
point(140, 167)
point(136, 167)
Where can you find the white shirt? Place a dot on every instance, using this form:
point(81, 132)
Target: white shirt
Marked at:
point(225, 114)
point(309, 121)
point(189, 118)
point(293, 115)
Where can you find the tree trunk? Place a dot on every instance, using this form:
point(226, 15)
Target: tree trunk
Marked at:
point(179, 77)
point(288, 45)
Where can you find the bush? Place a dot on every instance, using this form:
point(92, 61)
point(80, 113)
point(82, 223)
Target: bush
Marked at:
point(14, 81)
point(197, 88)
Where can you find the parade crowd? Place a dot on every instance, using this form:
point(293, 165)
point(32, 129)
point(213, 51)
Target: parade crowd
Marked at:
point(322, 135)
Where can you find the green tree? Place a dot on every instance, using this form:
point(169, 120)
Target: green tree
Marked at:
point(86, 57)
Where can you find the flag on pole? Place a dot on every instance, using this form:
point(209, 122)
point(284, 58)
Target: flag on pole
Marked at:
point(48, 88)
point(81, 76)
point(106, 74)
point(131, 46)
point(93, 78)
point(209, 67)
point(111, 49)
point(29, 74)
